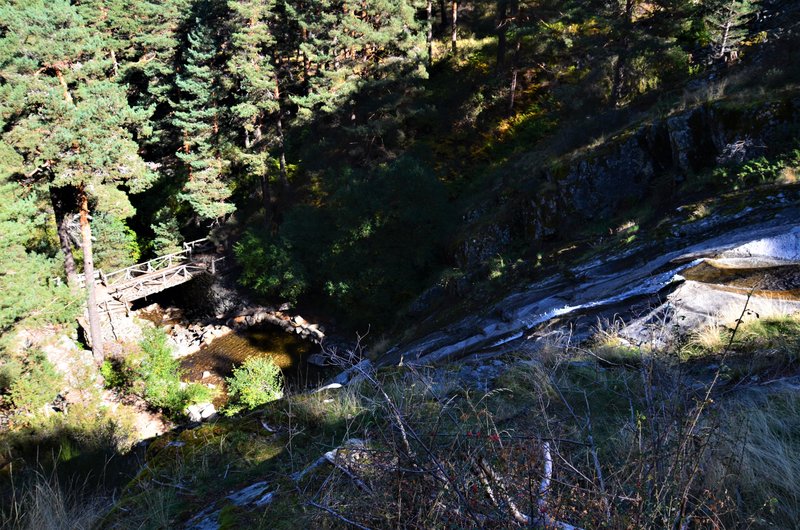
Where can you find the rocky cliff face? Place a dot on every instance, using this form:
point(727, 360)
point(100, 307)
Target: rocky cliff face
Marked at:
point(645, 166)
point(648, 163)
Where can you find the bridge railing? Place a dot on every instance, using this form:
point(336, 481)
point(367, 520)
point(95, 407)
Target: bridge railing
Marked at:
point(156, 264)
point(140, 269)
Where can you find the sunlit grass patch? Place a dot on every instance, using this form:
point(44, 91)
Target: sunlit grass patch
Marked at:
point(609, 346)
point(711, 338)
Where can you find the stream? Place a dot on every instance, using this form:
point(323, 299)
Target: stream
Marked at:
point(219, 358)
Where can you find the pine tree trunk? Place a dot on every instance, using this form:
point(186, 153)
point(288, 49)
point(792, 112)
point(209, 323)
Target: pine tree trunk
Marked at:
point(502, 6)
point(282, 155)
point(617, 91)
point(281, 141)
point(724, 45)
point(266, 194)
point(429, 39)
point(64, 87)
point(454, 25)
point(618, 79)
point(306, 60)
point(95, 329)
point(443, 25)
point(514, 72)
point(60, 209)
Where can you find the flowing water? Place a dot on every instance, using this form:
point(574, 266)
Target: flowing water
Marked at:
point(219, 358)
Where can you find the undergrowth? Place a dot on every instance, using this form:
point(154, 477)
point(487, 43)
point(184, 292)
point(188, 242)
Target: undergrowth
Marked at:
point(564, 438)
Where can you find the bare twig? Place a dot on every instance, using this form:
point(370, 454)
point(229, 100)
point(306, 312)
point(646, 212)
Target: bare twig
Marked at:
point(338, 515)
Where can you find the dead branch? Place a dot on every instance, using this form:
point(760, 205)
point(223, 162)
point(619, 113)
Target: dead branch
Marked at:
point(332, 458)
point(338, 515)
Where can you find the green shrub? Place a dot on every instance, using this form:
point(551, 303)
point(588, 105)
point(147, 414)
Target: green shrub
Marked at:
point(115, 374)
point(158, 376)
point(256, 382)
point(10, 371)
point(38, 385)
point(268, 267)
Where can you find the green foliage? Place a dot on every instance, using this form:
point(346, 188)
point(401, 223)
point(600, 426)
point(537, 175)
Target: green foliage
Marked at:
point(378, 232)
point(27, 292)
point(158, 376)
point(754, 172)
point(384, 41)
point(36, 386)
point(196, 117)
point(116, 246)
point(726, 22)
point(256, 382)
point(78, 125)
point(114, 374)
point(268, 267)
point(10, 371)
point(167, 237)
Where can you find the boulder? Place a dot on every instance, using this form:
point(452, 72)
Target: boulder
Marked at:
point(353, 373)
point(201, 411)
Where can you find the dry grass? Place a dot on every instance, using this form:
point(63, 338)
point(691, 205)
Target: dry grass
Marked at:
point(757, 460)
point(45, 504)
point(711, 338)
point(789, 175)
point(639, 444)
point(700, 211)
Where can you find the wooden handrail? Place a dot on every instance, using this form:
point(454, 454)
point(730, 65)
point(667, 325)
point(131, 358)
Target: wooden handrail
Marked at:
point(159, 262)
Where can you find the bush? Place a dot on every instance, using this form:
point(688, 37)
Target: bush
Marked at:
point(115, 374)
point(268, 267)
point(256, 382)
point(38, 385)
point(159, 378)
point(10, 371)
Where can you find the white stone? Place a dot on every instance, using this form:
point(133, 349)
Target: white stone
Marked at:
point(194, 413)
point(208, 411)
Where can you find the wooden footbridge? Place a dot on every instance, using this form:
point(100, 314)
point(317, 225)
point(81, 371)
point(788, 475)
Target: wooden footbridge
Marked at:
point(117, 289)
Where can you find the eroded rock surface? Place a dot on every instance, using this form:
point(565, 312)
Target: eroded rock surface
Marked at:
point(643, 286)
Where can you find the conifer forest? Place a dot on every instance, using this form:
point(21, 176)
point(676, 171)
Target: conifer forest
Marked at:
point(399, 264)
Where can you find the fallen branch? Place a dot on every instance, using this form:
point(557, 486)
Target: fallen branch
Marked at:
point(331, 457)
point(485, 473)
point(338, 515)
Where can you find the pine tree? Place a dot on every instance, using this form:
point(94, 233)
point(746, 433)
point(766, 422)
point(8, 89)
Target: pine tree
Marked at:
point(27, 293)
point(72, 127)
point(355, 47)
point(727, 22)
point(258, 110)
point(197, 118)
point(144, 41)
point(365, 63)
